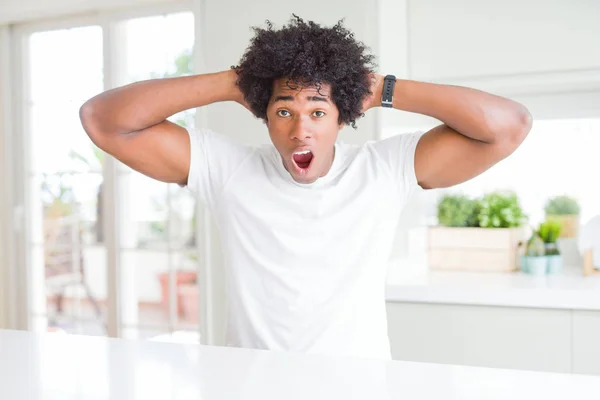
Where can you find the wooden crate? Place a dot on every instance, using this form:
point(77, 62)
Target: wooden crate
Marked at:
point(475, 249)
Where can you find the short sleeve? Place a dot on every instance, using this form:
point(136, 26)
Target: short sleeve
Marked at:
point(397, 153)
point(214, 159)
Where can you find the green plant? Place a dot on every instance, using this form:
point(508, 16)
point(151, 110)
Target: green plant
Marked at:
point(562, 205)
point(535, 246)
point(549, 230)
point(500, 210)
point(458, 211)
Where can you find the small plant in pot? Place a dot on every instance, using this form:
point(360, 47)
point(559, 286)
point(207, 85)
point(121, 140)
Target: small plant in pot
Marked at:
point(549, 232)
point(500, 210)
point(456, 210)
point(564, 209)
point(534, 261)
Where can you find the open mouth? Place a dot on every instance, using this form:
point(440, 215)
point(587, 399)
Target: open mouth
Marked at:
point(302, 159)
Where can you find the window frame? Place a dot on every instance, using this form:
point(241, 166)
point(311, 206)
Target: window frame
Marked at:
point(15, 306)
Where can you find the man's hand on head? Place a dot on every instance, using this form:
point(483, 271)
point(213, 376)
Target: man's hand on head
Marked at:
point(237, 94)
point(374, 99)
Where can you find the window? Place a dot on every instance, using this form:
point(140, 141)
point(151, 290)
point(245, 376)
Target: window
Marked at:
point(66, 233)
point(157, 225)
point(65, 181)
point(558, 157)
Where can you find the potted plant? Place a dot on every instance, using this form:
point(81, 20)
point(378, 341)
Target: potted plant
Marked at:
point(549, 232)
point(188, 294)
point(534, 261)
point(181, 278)
point(186, 288)
point(566, 210)
point(458, 211)
point(500, 210)
point(477, 234)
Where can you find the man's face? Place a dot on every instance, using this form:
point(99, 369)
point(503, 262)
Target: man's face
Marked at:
point(303, 125)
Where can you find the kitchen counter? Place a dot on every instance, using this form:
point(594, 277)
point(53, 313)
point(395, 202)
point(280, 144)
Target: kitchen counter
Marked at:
point(568, 290)
point(58, 366)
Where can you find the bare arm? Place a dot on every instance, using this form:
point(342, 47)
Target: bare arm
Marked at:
point(479, 129)
point(130, 122)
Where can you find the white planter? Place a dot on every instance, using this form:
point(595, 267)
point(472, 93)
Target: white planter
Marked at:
point(536, 265)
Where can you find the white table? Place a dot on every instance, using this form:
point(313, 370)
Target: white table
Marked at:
point(57, 366)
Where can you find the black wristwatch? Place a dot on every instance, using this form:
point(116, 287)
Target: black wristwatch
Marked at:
point(387, 94)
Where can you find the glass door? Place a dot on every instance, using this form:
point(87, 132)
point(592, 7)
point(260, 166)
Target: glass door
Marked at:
point(64, 182)
point(151, 290)
point(157, 246)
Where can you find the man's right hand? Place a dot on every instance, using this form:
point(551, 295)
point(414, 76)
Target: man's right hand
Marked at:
point(130, 122)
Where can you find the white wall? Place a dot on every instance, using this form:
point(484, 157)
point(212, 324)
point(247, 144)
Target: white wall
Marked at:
point(468, 38)
point(541, 53)
point(3, 222)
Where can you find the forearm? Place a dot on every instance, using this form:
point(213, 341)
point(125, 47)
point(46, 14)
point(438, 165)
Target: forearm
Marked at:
point(143, 104)
point(476, 114)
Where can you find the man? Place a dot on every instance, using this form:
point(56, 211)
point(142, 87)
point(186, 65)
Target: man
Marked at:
point(306, 223)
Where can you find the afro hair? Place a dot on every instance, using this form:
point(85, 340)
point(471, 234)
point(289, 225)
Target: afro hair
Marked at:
point(307, 54)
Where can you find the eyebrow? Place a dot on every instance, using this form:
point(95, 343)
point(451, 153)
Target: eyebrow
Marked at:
point(291, 98)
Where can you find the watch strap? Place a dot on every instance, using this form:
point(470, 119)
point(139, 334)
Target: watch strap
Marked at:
point(387, 94)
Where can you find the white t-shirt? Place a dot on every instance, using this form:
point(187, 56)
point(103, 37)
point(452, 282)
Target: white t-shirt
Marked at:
point(305, 263)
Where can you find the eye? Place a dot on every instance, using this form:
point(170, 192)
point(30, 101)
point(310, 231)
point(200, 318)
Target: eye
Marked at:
point(319, 114)
point(283, 113)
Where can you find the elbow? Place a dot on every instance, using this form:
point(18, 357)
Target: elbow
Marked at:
point(520, 128)
point(86, 117)
point(523, 124)
point(89, 121)
point(514, 129)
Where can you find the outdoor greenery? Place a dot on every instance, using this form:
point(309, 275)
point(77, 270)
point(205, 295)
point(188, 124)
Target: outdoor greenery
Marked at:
point(56, 195)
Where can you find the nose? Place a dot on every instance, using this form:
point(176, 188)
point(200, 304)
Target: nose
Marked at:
point(301, 130)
